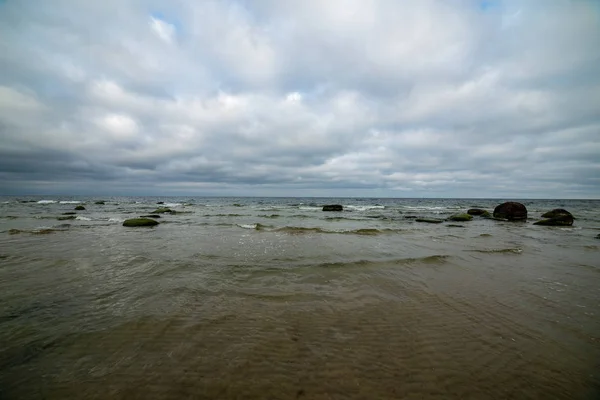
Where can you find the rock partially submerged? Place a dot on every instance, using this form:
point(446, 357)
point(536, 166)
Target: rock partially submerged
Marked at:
point(480, 212)
point(511, 211)
point(333, 207)
point(100, 202)
point(430, 220)
point(150, 216)
point(556, 217)
point(66, 217)
point(163, 210)
point(135, 222)
point(69, 213)
point(461, 217)
point(80, 208)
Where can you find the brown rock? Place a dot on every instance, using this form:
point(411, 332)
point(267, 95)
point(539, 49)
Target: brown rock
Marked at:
point(511, 211)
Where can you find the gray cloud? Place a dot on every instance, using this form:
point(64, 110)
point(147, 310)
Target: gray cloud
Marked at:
point(349, 98)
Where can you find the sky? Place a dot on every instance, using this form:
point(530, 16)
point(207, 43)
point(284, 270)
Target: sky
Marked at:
point(349, 98)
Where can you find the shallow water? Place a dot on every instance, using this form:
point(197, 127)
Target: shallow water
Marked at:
point(259, 298)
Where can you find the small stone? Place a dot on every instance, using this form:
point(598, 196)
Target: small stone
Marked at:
point(430, 220)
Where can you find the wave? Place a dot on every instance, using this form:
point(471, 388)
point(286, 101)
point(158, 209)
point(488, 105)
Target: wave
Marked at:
point(80, 218)
point(433, 259)
point(46, 202)
point(69, 202)
point(270, 216)
point(310, 208)
point(171, 205)
point(362, 231)
point(514, 250)
point(37, 231)
point(365, 208)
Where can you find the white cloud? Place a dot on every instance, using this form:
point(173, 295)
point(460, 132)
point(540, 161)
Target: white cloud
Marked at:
point(163, 29)
point(408, 96)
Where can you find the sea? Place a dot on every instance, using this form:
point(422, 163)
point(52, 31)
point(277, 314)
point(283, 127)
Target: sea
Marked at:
point(273, 298)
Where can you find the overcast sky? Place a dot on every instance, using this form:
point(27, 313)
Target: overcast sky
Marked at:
point(423, 98)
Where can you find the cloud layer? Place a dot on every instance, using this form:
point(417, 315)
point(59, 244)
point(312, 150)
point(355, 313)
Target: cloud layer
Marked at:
point(426, 98)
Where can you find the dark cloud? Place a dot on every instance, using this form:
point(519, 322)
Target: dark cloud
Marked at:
point(348, 98)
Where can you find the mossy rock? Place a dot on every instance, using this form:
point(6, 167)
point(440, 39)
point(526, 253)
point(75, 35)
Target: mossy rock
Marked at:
point(163, 210)
point(69, 213)
point(485, 214)
point(135, 222)
point(430, 220)
point(66, 217)
point(150, 216)
point(476, 211)
point(80, 208)
point(461, 217)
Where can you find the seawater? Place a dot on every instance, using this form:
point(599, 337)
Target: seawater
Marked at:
point(272, 298)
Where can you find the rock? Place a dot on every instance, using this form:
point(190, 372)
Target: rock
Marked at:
point(150, 216)
point(476, 211)
point(333, 207)
point(455, 226)
point(558, 213)
point(160, 202)
point(100, 202)
point(461, 217)
point(511, 211)
point(410, 216)
point(134, 222)
point(430, 220)
point(598, 236)
point(556, 217)
point(80, 208)
point(69, 213)
point(66, 217)
point(163, 210)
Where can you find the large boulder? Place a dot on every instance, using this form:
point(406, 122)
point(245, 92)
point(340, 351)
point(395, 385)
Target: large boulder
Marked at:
point(511, 210)
point(556, 217)
point(461, 217)
point(135, 222)
point(333, 207)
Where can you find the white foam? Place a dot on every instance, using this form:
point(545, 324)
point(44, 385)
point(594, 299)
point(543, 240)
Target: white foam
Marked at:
point(115, 220)
point(171, 204)
point(248, 226)
point(364, 208)
point(80, 218)
point(69, 202)
point(46, 202)
point(308, 208)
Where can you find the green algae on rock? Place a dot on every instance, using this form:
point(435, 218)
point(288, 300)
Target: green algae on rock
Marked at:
point(461, 217)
